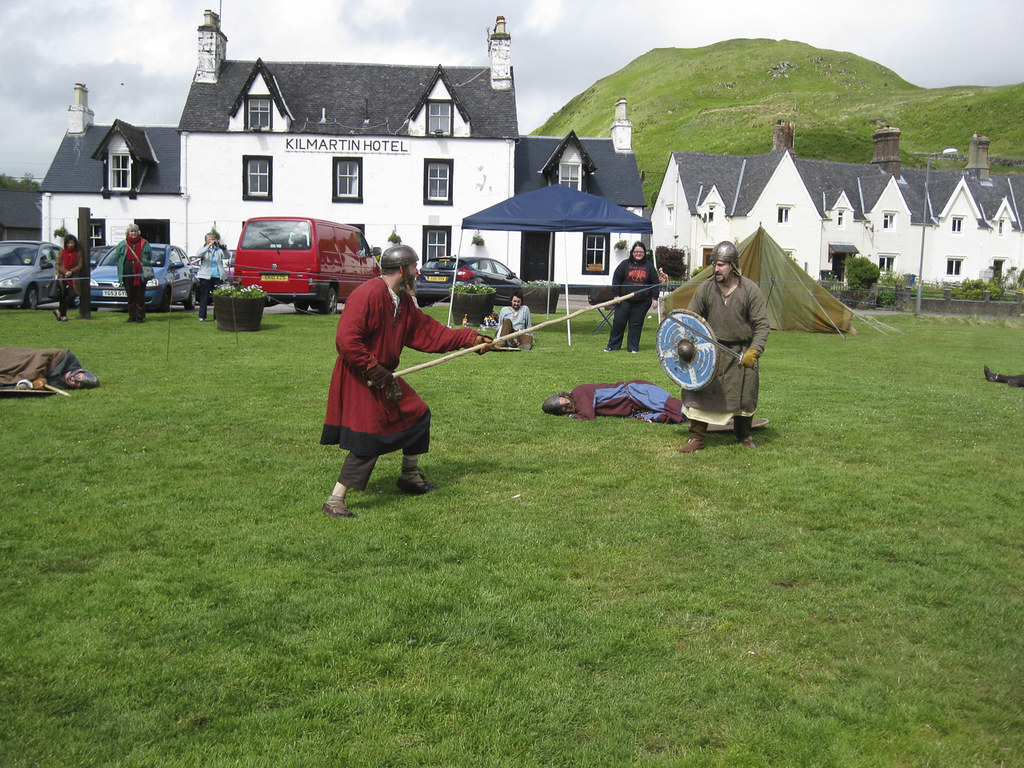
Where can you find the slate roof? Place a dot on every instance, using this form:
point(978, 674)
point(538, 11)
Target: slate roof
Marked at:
point(741, 180)
point(371, 99)
point(616, 177)
point(20, 209)
point(73, 168)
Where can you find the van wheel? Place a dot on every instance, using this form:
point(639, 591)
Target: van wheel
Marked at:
point(329, 305)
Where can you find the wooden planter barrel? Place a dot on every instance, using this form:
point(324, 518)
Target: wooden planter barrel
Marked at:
point(235, 314)
point(541, 299)
point(474, 306)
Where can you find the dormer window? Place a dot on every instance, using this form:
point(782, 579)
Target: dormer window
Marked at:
point(439, 118)
point(569, 175)
point(120, 171)
point(257, 113)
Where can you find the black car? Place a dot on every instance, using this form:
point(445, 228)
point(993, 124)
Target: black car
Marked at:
point(434, 281)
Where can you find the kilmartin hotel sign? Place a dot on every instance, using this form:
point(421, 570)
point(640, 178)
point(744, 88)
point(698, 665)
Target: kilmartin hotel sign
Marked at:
point(353, 145)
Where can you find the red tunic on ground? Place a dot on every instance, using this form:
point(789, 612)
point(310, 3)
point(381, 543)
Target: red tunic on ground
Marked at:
point(358, 417)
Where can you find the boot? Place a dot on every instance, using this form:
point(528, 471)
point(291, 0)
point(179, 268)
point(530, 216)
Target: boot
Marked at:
point(335, 507)
point(698, 431)
point(741, 428)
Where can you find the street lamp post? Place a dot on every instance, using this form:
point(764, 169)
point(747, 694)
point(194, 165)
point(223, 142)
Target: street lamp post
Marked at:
point(924, 226)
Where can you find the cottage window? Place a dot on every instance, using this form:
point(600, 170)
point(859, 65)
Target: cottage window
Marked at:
point(1000, 227)
point(784, 214)
point(888, 220)
point(348, 173)
point(957, 224)
point(953, 267)
point(97, 233)
point(840, 218)
point(257, 113)
point(436, 242)
point(595, 254)
point(711, 214)
point(437, 182)
point(569, 175)
point(885, 263)
point(439, 118)
point(120, 171)
point(257, 178)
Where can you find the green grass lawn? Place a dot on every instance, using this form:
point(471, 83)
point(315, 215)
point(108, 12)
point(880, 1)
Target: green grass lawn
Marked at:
point(577, 594)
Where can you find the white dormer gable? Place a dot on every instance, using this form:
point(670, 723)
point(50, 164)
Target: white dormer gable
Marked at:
point(260, 106)
point(711, 208)
point(1004, 213)
point(439, 114)
point(841, 212)
point(960, 203)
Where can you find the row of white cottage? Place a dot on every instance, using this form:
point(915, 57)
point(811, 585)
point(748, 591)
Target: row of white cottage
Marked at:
point(410, 151)
point(822, 212)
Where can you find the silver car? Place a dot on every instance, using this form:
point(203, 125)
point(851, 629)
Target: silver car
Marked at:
point(27, 275)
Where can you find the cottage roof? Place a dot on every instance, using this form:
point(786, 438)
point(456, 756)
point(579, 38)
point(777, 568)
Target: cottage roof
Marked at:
point(20, 209)
point(615, 175)
point(77, 168)
point(370, 99)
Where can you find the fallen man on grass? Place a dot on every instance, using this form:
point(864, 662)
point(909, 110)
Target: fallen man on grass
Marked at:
point(24, 368)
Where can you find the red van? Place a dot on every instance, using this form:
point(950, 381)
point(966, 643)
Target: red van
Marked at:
point(305, 262)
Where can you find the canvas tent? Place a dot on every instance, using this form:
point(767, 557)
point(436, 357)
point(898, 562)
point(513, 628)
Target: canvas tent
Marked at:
point(795, 301)
point(557, 208)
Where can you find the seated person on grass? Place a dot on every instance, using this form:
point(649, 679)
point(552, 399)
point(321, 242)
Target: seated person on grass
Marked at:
point(512, 319)
point(1013, 381)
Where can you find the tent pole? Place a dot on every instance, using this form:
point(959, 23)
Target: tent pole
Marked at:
point(451, 294)
point(568, 325)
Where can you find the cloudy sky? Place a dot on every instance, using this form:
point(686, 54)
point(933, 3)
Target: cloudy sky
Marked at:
point(137, 57)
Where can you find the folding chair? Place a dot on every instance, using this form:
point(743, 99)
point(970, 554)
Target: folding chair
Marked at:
point(599, 295)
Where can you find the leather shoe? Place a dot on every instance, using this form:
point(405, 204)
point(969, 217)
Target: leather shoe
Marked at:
point(748, 443)
point(693, 445)
point(417, 486)
point(337, 509)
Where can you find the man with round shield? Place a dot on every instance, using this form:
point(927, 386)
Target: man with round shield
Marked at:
point(735, 308)
point(369, 412)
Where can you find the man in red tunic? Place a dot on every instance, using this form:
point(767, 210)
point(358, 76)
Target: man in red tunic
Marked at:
point(369, 412)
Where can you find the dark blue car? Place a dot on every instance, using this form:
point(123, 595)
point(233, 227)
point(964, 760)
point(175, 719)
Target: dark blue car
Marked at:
point(172, 283)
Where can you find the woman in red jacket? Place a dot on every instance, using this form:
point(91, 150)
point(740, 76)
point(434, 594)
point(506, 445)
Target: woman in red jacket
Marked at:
point(68, 267)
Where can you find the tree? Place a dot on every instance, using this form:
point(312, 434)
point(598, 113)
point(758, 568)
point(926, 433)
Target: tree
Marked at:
point(861, 273)
point(26, 182)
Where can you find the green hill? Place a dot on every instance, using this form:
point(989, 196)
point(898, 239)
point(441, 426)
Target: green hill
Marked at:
point(725, 98)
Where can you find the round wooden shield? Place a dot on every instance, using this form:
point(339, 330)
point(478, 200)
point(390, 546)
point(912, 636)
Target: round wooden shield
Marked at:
point(695, 373)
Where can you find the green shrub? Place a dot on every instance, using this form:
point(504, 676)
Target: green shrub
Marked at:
point(861, 273)
point(975, 289)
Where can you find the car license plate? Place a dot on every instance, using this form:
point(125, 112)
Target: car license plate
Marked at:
point(268, 278)
point(115, 294)
point(437, 279)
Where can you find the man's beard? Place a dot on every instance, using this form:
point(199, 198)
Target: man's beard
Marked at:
point(408, 284)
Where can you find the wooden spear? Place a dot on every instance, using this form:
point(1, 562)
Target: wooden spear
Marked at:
point(531, 329)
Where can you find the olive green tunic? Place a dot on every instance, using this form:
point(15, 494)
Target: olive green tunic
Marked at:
point(739, 322)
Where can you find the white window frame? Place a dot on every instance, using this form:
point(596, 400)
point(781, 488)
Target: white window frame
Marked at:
point(711, 214)
point(889, 220)
point(257, 177)
point(956, 224)
point(437, 181)
point(570, 175)
point(595, 253)
point(840, 219)
point(259, 113)
point(783, 214)
point(436, 243)
point(120, 171)
point(353, 178)
point(439, 118)
point(954, 266)
point(886, 263)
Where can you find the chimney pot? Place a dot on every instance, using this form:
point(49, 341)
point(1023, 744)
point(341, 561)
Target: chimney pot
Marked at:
point(887, 149)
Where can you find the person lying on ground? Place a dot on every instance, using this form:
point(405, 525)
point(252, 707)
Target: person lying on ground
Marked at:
point(56, 367)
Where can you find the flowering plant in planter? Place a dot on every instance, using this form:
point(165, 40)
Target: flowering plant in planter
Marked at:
point(621, 245)
point(473, 288)
point(234, 291)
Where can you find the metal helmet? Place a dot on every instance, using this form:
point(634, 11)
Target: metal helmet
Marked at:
point(396, 257)
point(726, 251)
point(554, 404)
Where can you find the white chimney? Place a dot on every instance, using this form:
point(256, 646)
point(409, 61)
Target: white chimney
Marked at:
point(213, 47)
point(499, 48)
point(622, 129)
point(80, 117)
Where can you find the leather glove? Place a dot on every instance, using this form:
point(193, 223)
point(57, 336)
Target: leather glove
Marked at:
point(750, 358)
point(377, 377)
point(481, 339)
